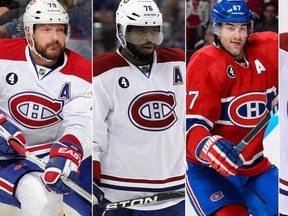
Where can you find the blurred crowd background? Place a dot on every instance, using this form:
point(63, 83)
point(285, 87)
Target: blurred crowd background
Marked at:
point(104, 37)
point(80, 14)
point(195, 13)
point(188, 19)
point(265, 17)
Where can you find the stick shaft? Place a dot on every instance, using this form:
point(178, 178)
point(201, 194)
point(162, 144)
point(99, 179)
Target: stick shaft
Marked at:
point(69, 183)
point(250, 136)
point(144, 200)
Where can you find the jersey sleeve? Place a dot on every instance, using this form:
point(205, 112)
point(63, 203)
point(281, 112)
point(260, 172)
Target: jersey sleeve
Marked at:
point(203, 105)
point(77, 115)
point(283, 125)
point(100, 112)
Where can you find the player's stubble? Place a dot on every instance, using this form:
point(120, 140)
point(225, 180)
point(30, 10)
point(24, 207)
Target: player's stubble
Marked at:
point(52, 51)
point(140, 52)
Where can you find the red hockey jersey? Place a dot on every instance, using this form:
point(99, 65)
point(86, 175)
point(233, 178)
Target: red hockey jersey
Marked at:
point(229, 99)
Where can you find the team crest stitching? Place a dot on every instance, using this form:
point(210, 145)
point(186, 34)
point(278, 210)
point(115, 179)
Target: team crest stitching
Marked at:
point(231, 71)
point(34, 110)
point(153, 111)
point(216, 196)
point(248, 109)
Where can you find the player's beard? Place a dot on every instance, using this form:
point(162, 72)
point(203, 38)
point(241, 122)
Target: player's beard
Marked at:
point(45, 53)
point(139, 55)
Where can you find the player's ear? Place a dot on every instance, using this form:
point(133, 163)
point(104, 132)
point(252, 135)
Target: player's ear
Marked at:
point(28, 36)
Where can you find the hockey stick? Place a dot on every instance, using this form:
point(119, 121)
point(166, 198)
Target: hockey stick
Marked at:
point(33, 158)
point(68, 182)
point(144, 200)
point(244, 142)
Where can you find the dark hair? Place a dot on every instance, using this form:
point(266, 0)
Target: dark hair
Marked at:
point(268, 4)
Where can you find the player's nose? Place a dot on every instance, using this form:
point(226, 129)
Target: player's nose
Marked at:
point(149, 36)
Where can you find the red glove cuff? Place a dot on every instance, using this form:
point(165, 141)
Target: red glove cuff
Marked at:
point(71, 151)
point(209, 143)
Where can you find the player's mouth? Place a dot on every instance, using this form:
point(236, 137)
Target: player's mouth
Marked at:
point(236, 44)
point(54, 47)
point(148, 46)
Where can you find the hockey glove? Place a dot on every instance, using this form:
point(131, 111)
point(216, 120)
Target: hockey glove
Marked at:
point(222, 155)
point(65, 159)
point(9, 131)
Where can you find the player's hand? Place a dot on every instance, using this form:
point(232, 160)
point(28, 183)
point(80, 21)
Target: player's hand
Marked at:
point(65, 159)
point(9, 131)
point(222, 155)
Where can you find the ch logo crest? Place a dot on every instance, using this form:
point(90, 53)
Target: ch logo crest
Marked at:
point(248, 109)
point(34, 110)
point(153, 111)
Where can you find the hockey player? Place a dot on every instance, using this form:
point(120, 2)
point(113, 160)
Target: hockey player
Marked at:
point(45, 102)
point(230, 88)
point(138, 115)
point(283, 123)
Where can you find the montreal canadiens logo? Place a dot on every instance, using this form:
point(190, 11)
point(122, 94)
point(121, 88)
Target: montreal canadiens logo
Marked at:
point(153, 111)
point(34, 110)
point(248, 109)
point(217, 196)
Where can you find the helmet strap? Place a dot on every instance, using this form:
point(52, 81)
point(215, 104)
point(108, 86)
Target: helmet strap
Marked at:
point(33, 48)
point(130, 53)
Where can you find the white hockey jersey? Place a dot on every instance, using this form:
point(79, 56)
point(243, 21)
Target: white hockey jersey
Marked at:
point(283, 125)
point(139, 126)
point(46, 104)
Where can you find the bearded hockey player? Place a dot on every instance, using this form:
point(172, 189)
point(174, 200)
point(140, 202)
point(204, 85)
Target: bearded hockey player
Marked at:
point(139, 94)
point(46, 106)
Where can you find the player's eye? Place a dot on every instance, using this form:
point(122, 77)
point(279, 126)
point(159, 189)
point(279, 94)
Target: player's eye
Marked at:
point(243, 29)
point(60, 31)
point(46, 30)
point(231, 29)
point(140, 31)
point(155, 32)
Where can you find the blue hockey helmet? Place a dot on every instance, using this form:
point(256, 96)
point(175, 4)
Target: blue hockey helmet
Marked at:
point(231, 11)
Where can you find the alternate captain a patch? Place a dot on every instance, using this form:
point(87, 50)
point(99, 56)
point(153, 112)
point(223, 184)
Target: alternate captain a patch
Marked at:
point(65, 92)
point(177, 76)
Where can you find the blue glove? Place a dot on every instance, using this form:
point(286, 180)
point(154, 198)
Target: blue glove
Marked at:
point(222, 155)
point(65, 159)
point(7, 132)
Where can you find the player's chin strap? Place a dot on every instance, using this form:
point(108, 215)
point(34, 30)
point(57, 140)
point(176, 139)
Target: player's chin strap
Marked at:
point(33, 49)
point(125, 47)
point(130, 53)
point(219, 45)
point(123, 43)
